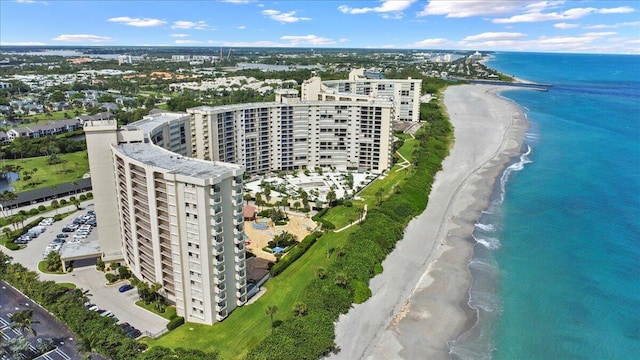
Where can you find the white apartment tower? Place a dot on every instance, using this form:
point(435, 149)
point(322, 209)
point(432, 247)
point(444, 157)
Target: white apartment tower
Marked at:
point(180, 219)
point(404, 93)
point(293, 135)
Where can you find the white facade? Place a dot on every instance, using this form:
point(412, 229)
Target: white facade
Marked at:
point(405, 93)
point(292, 135)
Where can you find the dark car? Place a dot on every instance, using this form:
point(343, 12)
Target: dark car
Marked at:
point(92, 223)
point(124, 288)
point(59, 241)
point(67, 229)
point(62, 236)
point(91, 212)
point(20, 241)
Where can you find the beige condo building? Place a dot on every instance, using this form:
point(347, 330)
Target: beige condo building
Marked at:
point(169, 188)
point(404, 93)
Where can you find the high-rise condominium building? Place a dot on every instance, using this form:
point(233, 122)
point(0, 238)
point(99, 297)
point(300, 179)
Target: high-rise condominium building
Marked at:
point(289, 134)
point(168, 188)
point(179, 219)
point(362, 86)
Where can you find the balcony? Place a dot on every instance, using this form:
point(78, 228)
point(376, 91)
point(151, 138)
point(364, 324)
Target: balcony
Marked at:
point(238, 239)
point(221, 316)
point(239, 266)
point(241, 300)
point(241, 292)
point(240, 275)
point(217, 250)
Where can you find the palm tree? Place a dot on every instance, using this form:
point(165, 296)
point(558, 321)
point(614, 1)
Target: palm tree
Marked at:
point(360, 212)
point(271, 311)
point(379, 195)
point(6, 197)
point(300, 309)
point(341, 279)
point(331, 197)
point(22, 320)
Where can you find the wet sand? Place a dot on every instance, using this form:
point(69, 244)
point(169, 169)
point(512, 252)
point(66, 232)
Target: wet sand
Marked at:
point(419, 302)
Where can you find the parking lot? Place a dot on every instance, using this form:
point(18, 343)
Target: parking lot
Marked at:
point(107, 297)
point(44, 324)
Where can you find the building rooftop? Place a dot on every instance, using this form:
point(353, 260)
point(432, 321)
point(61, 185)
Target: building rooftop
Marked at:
point(173, 163)
point(155, 119)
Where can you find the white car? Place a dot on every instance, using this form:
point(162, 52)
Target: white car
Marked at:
point(79, 236)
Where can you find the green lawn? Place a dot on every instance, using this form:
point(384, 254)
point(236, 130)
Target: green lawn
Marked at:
point(342, 216)
point(49, 175)
point(248, 325)
point(406, 149)
point(169, 313)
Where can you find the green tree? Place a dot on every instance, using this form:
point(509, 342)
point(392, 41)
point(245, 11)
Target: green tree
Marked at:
point(23, 321)
point(271, 312)
point(54, 263)
point(331, 198)
point(300, 309)
point(57, 96)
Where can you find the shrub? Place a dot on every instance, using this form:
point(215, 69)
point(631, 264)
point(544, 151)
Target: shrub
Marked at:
point(320, 213)
point(12, 246)
point(63, 202)
point(89, 195)
point(175, 322)
point(58, 217)
point(110, 277)
point(82, 197)
point(42, 208)
point(295, 253)
point(326, 224)
point(72, 199)
point(34, 211)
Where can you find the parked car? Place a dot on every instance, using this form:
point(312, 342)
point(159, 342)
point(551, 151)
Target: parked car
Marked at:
point(62, 236)
point(93, 223)
point(125, 288)
point(79, 236)
point(59, 241)
point(91, 212)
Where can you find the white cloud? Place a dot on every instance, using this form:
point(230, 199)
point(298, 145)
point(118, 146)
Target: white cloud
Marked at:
point(296, 40)
point(386, 6)
point(22, 43)
point(187, 42)
point(564, 25)
point(138, 22)
point(282, 17)
point(241, 27)
point(618, 10)
point(86, 38)
point(571, 14)
point(430, 42)
point(343, 40)
point(179, 35)
point(495, 36)
point(185, 25)
point(599, 34)
point(462, 9)
point(613, 26)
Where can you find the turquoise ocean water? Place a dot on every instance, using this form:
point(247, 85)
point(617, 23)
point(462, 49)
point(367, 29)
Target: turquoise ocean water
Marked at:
point(557, 265)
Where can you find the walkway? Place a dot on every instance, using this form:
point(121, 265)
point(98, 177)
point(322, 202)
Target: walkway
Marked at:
point(364, 216)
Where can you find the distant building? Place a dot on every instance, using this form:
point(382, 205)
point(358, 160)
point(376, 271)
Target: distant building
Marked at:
point(363, 86)
point(4, 85)
point(124, 59)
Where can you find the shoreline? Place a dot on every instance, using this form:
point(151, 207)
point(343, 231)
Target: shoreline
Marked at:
point(420, 301)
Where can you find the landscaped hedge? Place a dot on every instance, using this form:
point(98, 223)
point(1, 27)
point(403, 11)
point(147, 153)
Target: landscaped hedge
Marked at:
point(344, 280)
point(295, 253)
point(175, 322)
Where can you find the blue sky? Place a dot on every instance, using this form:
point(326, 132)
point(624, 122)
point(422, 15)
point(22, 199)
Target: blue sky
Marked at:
point(548, 26)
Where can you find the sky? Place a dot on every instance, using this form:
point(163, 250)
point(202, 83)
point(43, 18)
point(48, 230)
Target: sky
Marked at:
point(603, 26)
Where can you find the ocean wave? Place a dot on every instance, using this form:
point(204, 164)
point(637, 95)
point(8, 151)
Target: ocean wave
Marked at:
point(490, 243)
point(486, 227)
point(524, 159)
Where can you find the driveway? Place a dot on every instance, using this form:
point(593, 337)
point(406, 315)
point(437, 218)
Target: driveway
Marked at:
point(107, 297)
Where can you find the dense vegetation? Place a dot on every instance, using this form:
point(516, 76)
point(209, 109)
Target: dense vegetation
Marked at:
point(22, 147)
point(345, 281)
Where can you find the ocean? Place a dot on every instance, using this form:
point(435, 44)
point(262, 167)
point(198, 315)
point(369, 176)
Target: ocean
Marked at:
point(556, 270)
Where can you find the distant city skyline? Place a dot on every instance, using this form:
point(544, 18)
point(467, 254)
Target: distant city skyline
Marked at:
point(545, 26)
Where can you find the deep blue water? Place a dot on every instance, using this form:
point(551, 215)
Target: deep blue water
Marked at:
point(557, 266)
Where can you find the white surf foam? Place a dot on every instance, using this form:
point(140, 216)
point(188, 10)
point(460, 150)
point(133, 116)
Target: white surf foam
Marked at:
point(524, 159)
point(486, 227)
point(490, 243)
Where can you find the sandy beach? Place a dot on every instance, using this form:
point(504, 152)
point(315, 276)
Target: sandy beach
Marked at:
point(419, 302)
